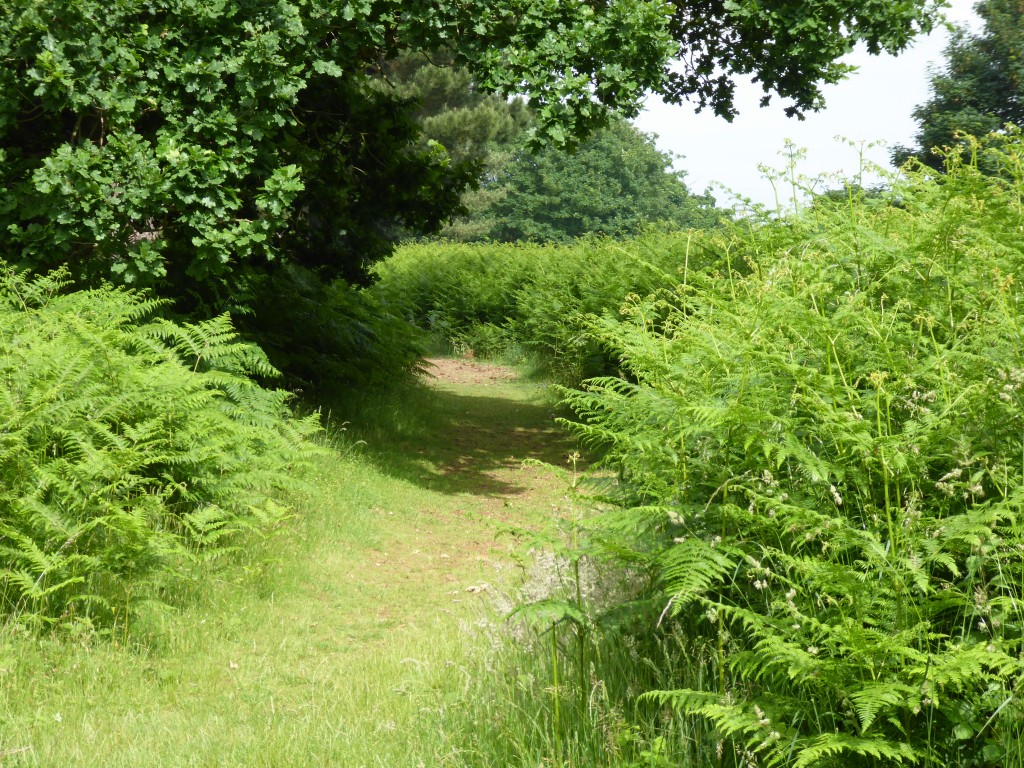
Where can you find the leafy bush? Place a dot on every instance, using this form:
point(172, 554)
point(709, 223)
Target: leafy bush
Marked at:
point(544, 297)
point(332, 336)
point(822, 459)
point(127, 445)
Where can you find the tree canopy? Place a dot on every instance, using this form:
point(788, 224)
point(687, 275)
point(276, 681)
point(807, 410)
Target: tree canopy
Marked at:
point(612, 184)
point(452, 110)
point(195, 145)
point(477, 129)
point(981, 87)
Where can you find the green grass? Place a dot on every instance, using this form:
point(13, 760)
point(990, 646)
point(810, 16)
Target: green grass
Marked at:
point(337, 641)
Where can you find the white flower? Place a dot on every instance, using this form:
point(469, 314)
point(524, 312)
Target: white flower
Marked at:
point(835, 496)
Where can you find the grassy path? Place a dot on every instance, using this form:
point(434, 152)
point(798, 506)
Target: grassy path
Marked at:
point(338, 642)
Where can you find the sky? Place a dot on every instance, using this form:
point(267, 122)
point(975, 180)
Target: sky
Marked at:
point(872, 105)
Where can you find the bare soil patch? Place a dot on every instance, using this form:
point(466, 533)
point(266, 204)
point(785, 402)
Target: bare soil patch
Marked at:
point(468, 371)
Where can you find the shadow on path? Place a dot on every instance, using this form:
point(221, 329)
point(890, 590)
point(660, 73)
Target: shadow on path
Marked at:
point(460, 442)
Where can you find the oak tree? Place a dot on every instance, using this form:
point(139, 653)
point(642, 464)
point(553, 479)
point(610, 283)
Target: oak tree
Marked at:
point(198, 145)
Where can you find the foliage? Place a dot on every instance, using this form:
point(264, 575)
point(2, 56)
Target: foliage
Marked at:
point(332, 338)
point(476, 129)
point(193, 145)
point(614, 184)
point(538, 298)
point(822, 458)
point(127, 447)
point(451, 108)
point(790, 48)
point(981, 88)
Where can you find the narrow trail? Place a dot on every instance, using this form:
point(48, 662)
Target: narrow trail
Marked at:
point(488, 459)
point(338, 641)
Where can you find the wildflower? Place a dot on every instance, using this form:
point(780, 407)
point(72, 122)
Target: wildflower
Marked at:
point(953, 474)
point(813, 650)
point(762, 718)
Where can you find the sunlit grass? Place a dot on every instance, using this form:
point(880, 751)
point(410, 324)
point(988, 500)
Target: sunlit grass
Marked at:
point(340, 640)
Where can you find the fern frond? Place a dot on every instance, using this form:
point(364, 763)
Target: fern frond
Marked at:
point(821, 749)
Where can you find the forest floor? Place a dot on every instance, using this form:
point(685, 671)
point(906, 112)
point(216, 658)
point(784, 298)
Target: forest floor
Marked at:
point(341, 639)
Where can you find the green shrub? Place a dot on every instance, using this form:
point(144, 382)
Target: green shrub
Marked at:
point(127, 445)
point(823, 460)
point(544, 297)
point(332, 338)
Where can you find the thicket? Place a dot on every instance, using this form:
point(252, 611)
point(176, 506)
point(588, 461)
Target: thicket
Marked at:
point(506, 299)
point(196, 147)
point(822, 461)
point(818, 440)
point(331, 340)
point(130, 447)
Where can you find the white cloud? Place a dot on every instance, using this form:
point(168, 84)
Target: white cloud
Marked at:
point(872, 105)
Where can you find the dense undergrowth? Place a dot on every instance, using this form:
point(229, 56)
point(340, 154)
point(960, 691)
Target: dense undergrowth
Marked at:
point(532, 301)
point(332, 339)
point(811, 553)
point(818, 436)
point(130, 447)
